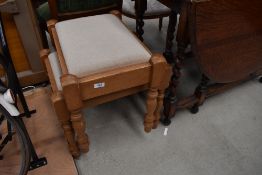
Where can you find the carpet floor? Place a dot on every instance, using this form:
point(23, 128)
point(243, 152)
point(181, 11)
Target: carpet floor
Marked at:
point(224, 138)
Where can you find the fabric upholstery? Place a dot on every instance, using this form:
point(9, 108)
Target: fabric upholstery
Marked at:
point(154, 7)
point(43, 12)
point(98, 43)
point(56, 70)
point(81, 5)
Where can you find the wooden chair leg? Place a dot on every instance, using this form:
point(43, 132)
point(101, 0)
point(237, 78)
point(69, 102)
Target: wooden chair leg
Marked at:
point(78, 123)
point(139, 28)
point(170, 37)
point(170, 101)
point(74, 104)
point(151, 104)
point(160, 99)
point(200, 93)
point(64, 118)
point(140, 7)
point(170, 98)
point(155, 99)
point(160, 23)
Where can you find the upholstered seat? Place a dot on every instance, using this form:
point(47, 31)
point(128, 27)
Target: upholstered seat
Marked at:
point(154, 8)
point(88, 49)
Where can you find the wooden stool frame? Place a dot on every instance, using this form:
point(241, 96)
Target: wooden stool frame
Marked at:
point(78, 93)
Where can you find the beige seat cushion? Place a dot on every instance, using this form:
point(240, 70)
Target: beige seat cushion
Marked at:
point(56, 70)
point(154, 7)
point(98, 43)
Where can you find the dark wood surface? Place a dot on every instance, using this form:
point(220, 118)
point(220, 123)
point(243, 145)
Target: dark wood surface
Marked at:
point(226, 39)
point(227, 35)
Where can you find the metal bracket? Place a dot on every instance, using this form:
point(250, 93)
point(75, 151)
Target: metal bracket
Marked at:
point(9, 6)
point(27, 114)
point(37, 163)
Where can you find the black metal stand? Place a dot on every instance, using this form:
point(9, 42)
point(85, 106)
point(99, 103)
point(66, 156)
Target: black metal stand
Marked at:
point(14, 85)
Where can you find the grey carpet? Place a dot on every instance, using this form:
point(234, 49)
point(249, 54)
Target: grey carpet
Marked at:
point(224, 138)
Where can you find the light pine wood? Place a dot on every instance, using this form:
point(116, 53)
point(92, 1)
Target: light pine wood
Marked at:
point(115, 80)
point(51, 24)
point(158, 69)
point(79, 92)
point(160, 98)
point(74, 104)
point(113, 96)
point(60, 106)
point(151, 103)
point(46, 137)
point(51, 29)
point(64, 117)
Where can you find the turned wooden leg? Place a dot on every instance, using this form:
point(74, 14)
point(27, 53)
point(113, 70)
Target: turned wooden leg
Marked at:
point(170, 100)
point(170, 37)
point(200, 93)
point(74, 104)
point(140, 7)
point(139, 28)
point(78, 123)
point(154, 101)
point(64, 118)
point(151, 104)
point(160, 23)
point(160, 98)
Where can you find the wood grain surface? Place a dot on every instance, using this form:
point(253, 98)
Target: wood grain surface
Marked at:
point(227, 37)
point(47, 137)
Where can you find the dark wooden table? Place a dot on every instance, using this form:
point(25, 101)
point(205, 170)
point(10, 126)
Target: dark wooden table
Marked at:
point(226, 41)
point(175, 5)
